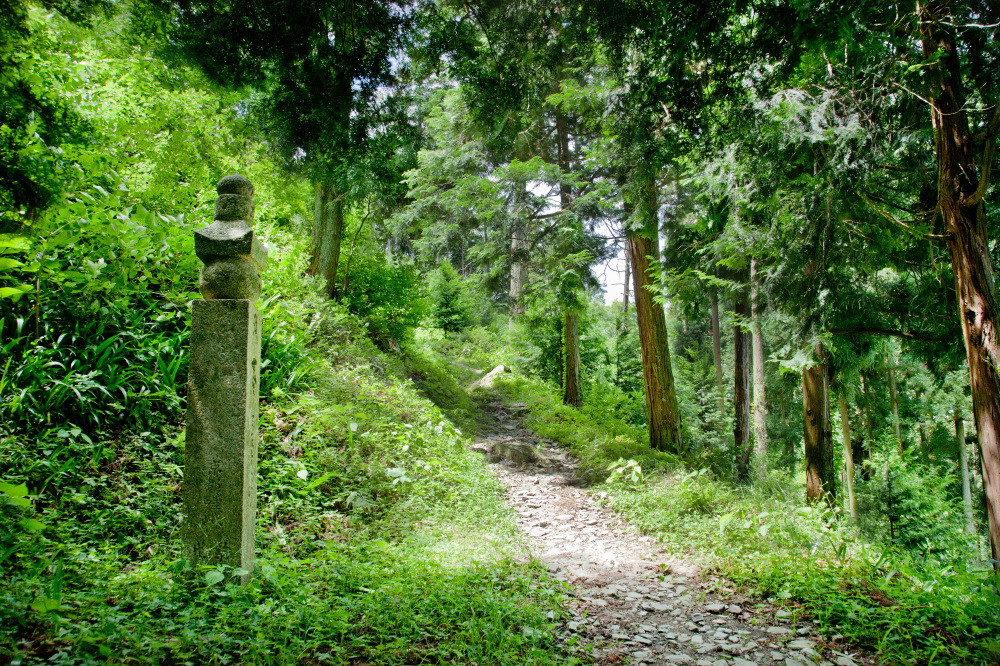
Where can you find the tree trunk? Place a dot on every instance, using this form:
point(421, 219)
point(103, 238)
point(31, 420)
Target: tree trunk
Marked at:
point(518, 270)
point(845, 438)
point(963, 455)
point(812, 399)
point(571, 394)
point(977, 300)
point(817, 432)
point(759, 392)
point(869, 416)
point(327, 233)
point(628, 276)
point(661, 398)
point(963, 179)
point(561, 369)
point(741, 390)
point(830, 473)
point(717, 350)
point(925, 454)
point(894, 399)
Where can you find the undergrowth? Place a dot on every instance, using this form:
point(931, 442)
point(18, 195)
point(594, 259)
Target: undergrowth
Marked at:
point(380, 537)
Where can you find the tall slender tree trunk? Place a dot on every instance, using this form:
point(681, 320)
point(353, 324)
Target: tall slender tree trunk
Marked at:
point(845, 439)
point(964, 164)
point(813, 426)
point(562, 357)
point(717, 349)
point(327, 235)
point(759, 390)
point(830, 475)
point(572, 390)
point(571, 393)
point(869, 417)
point(628, 276)
point(518, 269)
point(894, 399)
point(741, 390)
point(661, 397)
point(963, 455)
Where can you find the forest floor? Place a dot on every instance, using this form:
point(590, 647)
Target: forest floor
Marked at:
point(630, 603)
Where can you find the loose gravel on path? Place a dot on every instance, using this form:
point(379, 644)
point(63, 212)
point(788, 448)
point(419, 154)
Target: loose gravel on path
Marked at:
point(632, 604)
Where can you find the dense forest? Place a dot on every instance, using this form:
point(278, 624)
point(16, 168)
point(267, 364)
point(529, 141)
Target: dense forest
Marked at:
point(737, 258)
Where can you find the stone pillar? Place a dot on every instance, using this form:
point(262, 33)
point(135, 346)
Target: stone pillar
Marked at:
point(220, 455)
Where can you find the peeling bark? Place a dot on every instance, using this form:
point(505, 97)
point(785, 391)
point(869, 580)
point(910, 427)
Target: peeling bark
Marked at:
point(963, 166)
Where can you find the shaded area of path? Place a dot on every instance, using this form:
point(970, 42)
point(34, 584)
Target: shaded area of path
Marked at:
point(631, 603)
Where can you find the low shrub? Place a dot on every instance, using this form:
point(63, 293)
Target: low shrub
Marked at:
point(388, 297)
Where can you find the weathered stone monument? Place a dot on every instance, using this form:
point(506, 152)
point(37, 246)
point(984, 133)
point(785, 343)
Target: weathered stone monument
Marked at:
point(220, 455)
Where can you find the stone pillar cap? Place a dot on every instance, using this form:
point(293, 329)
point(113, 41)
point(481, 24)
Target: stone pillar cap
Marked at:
point(235, 184)
point(229, 239)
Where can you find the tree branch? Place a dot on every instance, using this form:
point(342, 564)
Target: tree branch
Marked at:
point(906, 335)
point(904, 225)
point(991, 141)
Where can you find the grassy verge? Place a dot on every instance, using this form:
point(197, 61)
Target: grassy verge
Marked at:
point(381, 539)
point(773, 545)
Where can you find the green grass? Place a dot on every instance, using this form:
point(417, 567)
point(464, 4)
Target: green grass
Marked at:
point(772, 545)
point(395, 548)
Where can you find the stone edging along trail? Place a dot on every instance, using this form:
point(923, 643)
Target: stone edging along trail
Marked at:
point(631, 604)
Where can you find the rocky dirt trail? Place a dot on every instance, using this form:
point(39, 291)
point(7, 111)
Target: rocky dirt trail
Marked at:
point(631, 603)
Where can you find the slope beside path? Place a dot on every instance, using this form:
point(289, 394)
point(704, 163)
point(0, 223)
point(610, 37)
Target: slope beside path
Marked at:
point(631, 603)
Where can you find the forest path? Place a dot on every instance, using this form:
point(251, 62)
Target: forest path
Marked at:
point(631, 603)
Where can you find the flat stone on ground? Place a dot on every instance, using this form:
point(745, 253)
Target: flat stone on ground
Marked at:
point(515, 452)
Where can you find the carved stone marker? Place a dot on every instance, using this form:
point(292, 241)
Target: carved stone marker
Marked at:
point(220, 455)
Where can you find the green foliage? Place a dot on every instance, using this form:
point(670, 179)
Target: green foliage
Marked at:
point(387, 296)
point(136, 373)
point(103, 339)
point(624, 470)
point(907, 504)
point(903, 612)
point(542, 339)
point(707, 438)
point(449, 299)
point(440, 387)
